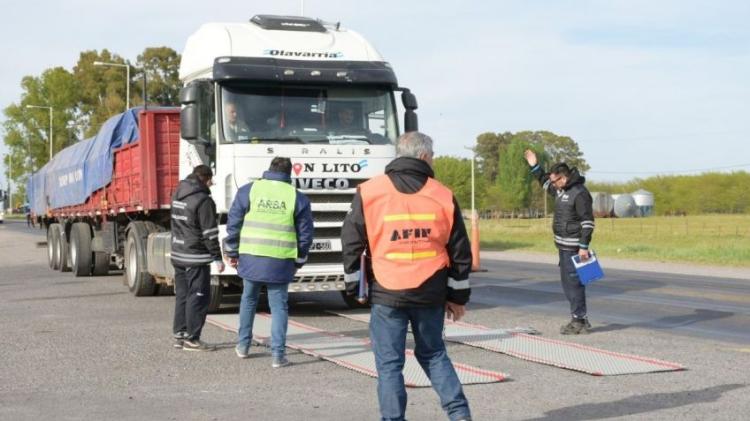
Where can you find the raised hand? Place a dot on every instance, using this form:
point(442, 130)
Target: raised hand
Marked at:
point(530, 157)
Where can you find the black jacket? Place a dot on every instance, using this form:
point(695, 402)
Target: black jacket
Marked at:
point(409, 175)
point(573, 223)
point(195, 234)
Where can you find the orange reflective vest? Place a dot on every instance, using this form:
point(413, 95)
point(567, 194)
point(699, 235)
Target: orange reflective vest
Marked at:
point(407, 233)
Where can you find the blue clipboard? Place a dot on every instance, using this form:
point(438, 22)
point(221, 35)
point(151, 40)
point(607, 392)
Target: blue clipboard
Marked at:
point(588, 271)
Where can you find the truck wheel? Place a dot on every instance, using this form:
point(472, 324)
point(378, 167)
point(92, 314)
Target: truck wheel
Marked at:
point(50, 250)
point(80, 249)
point(101, 263)
point(164, 289)
point(65, 262)
point(53, 246)
point(351, 301)
point(217, 294)
point(140, 282)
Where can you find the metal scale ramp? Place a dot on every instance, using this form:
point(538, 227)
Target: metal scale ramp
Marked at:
point(346, 351)
point(572, 356)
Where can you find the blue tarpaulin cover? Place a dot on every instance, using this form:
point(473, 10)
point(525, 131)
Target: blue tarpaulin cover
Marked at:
point(79, 170)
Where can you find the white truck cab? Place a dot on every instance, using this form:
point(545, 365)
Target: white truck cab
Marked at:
point(295, 87)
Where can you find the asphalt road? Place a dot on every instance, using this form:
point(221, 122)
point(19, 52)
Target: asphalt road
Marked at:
point(84, 348)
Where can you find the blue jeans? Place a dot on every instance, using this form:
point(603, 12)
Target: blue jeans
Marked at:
point(388, 327)
point(278, 296)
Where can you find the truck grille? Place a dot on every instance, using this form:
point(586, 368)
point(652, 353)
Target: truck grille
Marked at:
point(328, 223)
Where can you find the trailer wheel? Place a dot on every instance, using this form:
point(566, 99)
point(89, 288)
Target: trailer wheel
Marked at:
point(140, 282)
point(65, 261)
point(351, 301)
point(80, 249)
point(50, 250)
point(101, 263)
point(53, 246)
point(217, 294)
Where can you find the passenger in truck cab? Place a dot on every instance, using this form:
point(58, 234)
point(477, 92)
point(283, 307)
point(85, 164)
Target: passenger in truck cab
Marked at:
point(346, 120)
point(234, 128)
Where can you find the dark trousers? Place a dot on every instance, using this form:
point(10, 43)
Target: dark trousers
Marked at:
point(192, 290)
point(571, 285)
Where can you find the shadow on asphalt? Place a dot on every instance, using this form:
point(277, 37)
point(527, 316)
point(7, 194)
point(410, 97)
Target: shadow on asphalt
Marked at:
point(65, 297)
point(670, 322)
point(640, 404)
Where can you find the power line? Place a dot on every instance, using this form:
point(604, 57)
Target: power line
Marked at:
point(673, 171)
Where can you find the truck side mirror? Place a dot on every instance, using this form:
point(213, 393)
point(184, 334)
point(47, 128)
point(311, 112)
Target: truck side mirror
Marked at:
point(409, 100)
point(189, 124)
point(411, 123)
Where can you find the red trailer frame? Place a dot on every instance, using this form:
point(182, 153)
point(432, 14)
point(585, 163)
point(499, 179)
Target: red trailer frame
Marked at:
point(145, 173)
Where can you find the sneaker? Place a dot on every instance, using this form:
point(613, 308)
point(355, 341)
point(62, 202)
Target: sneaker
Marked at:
point(241, 351)
point(197, 345)
point(576, 327)
point(179, 339)
point(279, 362)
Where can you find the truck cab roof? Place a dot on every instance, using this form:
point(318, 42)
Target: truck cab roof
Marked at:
point(275, 37)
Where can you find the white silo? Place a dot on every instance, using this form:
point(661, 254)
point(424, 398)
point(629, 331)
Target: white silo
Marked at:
point(625, 206)
point(602, 204)
point(645, 202)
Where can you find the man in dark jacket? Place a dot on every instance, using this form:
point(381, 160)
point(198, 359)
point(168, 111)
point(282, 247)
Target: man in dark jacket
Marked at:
point(269, 232)
point(572, 226)
point(195, 244)
point(419, 259)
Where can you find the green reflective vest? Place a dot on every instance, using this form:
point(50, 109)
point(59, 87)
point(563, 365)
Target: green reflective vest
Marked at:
point(268, 229)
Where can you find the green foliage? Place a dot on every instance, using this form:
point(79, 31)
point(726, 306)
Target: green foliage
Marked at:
point(690, 194)
point(556, 148)
point(82, 100)
point(708, 239)
point(502, 167)
point(455, 173)
point(488, 149)
point(102, 89)
point(27, 130)
point(161, 65)
point(514, 178)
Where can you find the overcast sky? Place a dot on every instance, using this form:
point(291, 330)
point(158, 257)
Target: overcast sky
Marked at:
point(644, 87)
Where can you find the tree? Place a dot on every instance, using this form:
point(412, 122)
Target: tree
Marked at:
point(102, 89)
point(455, 173)
point(556, 148)
point(488, 149)
point(514, 177)
point(27, 129)
point(162, 65)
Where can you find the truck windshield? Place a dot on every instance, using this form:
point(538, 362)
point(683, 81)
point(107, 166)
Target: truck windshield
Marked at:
point(302, 114)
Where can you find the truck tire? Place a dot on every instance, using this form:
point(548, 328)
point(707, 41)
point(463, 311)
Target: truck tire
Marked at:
point(101, 263)
point(50, 249)
point(80, 249)
point(65, 261)
point(53, 245)
point(140, 282)
point(164, 289)
point(217, 294)
point(351, 301)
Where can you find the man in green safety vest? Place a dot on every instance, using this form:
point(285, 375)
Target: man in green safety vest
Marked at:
point(269, 232)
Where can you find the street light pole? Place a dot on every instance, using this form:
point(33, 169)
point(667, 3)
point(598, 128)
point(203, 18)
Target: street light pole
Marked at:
point(50, 126)
point(127, 77)
point(10, 194)
point(475, 261)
